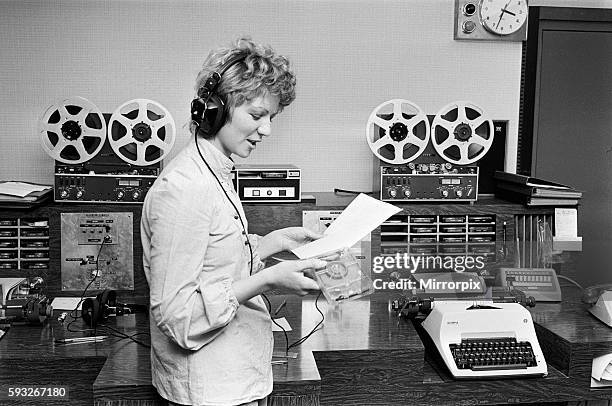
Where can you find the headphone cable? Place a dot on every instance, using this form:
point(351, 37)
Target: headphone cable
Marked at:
point(73, 313)
point(302, 339)
point(248, 242)
point(120, 334)
point(278, 325)
point(307, 336)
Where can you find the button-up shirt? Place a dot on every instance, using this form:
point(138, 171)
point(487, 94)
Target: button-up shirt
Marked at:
point(206, 349)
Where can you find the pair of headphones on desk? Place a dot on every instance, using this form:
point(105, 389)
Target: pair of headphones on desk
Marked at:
point(208, 110)
point(98, 309)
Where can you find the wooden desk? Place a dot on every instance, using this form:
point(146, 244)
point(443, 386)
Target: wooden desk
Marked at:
point(363, 356)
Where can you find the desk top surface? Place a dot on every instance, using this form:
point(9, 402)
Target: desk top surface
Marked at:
point(362, 342)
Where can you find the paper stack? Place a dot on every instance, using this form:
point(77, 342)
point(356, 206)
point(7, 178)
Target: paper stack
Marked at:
point(566, 230)
point(23, 194)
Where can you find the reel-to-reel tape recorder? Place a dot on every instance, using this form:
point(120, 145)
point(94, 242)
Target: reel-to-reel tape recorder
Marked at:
point(112, 158)
point(428, 158)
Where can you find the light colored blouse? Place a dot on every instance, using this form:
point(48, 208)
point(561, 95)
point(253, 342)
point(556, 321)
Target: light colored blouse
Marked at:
point(206, 349)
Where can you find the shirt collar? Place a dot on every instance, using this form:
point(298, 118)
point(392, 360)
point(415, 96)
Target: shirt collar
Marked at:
point(221, 164)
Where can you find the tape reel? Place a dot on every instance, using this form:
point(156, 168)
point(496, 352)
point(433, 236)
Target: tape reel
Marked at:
point(398, 132)
point(336, 270)
point(72, 130)
point(461, 133)
point(140, 131)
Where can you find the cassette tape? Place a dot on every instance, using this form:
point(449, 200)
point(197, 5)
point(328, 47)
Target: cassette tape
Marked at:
point(112, 158)
point(428, 158)
point(342, 279)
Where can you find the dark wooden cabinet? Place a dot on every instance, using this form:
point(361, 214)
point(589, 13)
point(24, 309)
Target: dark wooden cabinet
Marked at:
point(566, 132)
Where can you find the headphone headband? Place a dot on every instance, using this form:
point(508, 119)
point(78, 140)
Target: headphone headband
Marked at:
point(211, 83)
point(208, 110)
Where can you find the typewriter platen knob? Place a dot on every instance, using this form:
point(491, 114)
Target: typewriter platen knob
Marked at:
point(522, 299)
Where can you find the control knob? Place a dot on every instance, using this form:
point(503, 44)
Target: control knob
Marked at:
point(459, 193)
point(444, 193)
point(120, 194)
point(407, 192)
point(79, 193)
point(136, 195)
point(64, 194)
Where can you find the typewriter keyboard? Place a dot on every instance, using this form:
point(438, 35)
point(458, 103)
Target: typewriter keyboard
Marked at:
point(493, 354)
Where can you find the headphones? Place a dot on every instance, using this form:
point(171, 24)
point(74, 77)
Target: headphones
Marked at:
point(98, 309)
point(209, 113)
point(208, 110)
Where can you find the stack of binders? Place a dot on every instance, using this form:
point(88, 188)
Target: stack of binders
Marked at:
point(534, 192)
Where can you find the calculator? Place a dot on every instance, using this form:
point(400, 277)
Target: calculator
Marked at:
point(541, 283)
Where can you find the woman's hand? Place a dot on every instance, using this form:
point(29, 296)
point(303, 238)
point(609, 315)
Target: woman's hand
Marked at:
point(291, 276)
point(285, 239)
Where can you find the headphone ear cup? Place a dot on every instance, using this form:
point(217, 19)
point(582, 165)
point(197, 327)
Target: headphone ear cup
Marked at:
point(104, 296)
point(90, 311)
point(208, 110)
point(111, 298)
point(108, 298)
point(198, 111)
point(213, 117)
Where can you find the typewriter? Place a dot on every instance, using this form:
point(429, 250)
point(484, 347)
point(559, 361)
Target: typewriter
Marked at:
point(483, 339)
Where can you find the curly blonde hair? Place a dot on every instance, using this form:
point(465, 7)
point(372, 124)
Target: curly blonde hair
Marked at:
point(261, 72)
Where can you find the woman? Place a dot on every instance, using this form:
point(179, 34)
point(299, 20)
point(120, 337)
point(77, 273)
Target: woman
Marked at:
point(211, 336)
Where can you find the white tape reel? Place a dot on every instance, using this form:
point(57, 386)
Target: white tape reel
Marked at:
point(397, 131)
point(72, 130)
point(461, 133)
point(141, 132)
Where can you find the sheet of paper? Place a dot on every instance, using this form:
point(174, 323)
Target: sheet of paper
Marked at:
point(282, 322)
point(600, 384)
point(566, 222)
point(601, 372)
point(600, 364)
point(20, 189)
point(359, 218)
point(546, 185)
point(66, 303)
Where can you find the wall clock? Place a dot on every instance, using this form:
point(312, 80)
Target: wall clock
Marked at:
point(491, 20)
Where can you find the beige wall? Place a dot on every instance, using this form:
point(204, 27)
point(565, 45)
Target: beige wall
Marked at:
point(349, 57)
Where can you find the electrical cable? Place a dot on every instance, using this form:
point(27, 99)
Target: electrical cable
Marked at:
point(73, 312)
point(307, 336)
point(123, 335)
point(248, 242)
point(301, 340)
point(570, 280)
point(279, 326)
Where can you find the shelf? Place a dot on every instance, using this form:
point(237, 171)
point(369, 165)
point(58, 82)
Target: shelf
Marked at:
point(22, 244)
point(439, 234)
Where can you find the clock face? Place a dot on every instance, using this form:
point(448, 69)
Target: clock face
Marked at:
point(503, 17)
